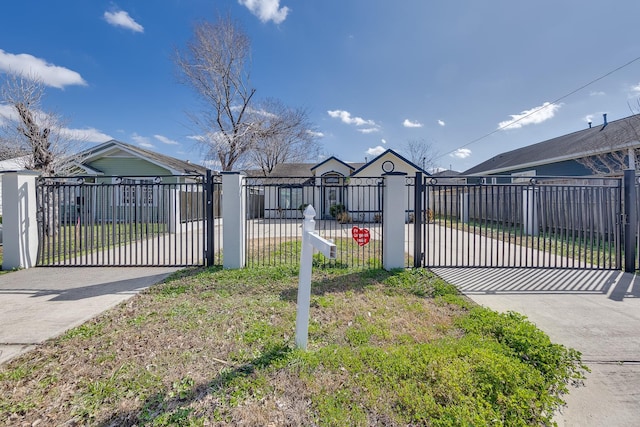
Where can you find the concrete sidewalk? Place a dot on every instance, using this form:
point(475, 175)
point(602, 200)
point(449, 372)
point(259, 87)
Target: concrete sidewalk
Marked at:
point(41, 303)
point(595, 312)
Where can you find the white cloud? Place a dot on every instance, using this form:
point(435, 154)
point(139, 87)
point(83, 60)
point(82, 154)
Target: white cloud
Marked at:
point(376, 151)
point(442, 123)
point(369, 130)
point(87, 135)
point(29, 66)
point(142, 141)
point(384, 141)
point(597, 93)
point(461, 153)
point(266, 10)
point(198, 138)
point(166, 140)
point(345, 116)
point(315, 134)
point(7, 113)
point(635, 91)
point(409, 124)
point(122, 19)
point(534, 116)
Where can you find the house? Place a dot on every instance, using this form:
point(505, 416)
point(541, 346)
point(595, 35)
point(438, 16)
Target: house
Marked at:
point(148, 184)
point(567, 155)
point(332, 187)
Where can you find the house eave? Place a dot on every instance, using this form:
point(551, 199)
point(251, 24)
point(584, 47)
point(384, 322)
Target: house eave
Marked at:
point(558, 159)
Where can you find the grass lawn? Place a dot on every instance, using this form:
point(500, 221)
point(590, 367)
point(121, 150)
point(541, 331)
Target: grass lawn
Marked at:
point(215, 347)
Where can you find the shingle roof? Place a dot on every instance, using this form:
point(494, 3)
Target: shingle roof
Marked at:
point(181, 166)
point(616, 135)
point(292, 170)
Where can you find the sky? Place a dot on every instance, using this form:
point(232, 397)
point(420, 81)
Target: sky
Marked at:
point(473, 79)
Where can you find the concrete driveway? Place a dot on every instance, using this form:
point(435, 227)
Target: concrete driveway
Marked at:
point(41, 303)
point(595, 312)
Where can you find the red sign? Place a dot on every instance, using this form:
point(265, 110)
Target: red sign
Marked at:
point(360, 235)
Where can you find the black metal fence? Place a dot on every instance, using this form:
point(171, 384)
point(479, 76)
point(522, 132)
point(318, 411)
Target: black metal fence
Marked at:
point(348, 211)
point(545, 222)
point(128, 221)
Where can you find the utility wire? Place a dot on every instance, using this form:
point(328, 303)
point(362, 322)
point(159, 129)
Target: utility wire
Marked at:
point(541, 108)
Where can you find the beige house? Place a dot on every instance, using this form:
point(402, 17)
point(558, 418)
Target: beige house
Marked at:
point(332, 186)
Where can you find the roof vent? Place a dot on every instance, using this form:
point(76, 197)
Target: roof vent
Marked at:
point(589, 124)
point(604, 119)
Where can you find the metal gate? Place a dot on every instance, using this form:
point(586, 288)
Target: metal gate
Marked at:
point(348, 212)
point(128, 220)
point(541, 222)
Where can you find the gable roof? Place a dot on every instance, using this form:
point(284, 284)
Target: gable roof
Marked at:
point(282, 170)
point(612, 136)
point(176, 166)
point(390, 151)
point(351, 167)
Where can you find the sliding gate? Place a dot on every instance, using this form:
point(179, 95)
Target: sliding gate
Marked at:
point(128, 221)
point(542, 222)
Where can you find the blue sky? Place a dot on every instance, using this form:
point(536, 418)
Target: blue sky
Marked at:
point(373, 74)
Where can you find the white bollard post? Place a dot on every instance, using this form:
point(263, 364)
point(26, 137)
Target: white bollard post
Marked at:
point(310, 239)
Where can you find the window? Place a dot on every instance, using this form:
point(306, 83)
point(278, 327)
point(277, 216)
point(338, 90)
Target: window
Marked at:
point(131, 188)
point(290, 197)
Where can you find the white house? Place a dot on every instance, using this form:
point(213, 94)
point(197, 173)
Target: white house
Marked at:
point(333, 187)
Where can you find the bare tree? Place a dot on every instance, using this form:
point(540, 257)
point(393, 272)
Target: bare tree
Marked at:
point(215, 64)
point(421, 152)
point(37, 135)
point(614, 148)
point(283, 135)
point(28, 130)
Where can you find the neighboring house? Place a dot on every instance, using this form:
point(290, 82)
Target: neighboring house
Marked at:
point(332, 186)
point(15, 164)
point(562, 156)
point(149, 184)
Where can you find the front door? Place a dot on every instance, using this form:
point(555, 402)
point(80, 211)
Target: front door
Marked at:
point(332, 197)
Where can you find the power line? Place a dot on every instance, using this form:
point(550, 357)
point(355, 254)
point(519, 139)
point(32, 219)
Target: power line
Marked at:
point(547, 105)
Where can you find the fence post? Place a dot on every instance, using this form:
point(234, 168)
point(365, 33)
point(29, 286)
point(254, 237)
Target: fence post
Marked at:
point(19, 220)
point(464, 206)
point(418, 220)
point(530, 211)
point(393, 213)
point(310, 241)
point(630, 223)
point(209, 218)
point(233, 220)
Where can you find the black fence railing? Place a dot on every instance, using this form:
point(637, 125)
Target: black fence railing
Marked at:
point(127, 221)
point(348, 212)
point(544, 222)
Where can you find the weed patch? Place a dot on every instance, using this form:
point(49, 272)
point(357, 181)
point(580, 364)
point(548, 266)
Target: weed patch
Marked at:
point(216, 347)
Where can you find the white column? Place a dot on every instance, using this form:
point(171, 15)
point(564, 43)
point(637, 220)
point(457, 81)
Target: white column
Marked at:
point(19, 220)
point(464, 207)
point(233, 220)
point(393, 212)
point(529, 211)
point(174, 207)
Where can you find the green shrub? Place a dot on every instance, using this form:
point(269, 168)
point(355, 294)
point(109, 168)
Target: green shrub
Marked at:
point(336, 210)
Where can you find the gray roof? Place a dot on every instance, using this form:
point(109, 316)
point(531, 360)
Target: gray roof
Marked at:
point(303, 169)
point(181, 166)
point(614, 136)
point(292, 170)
